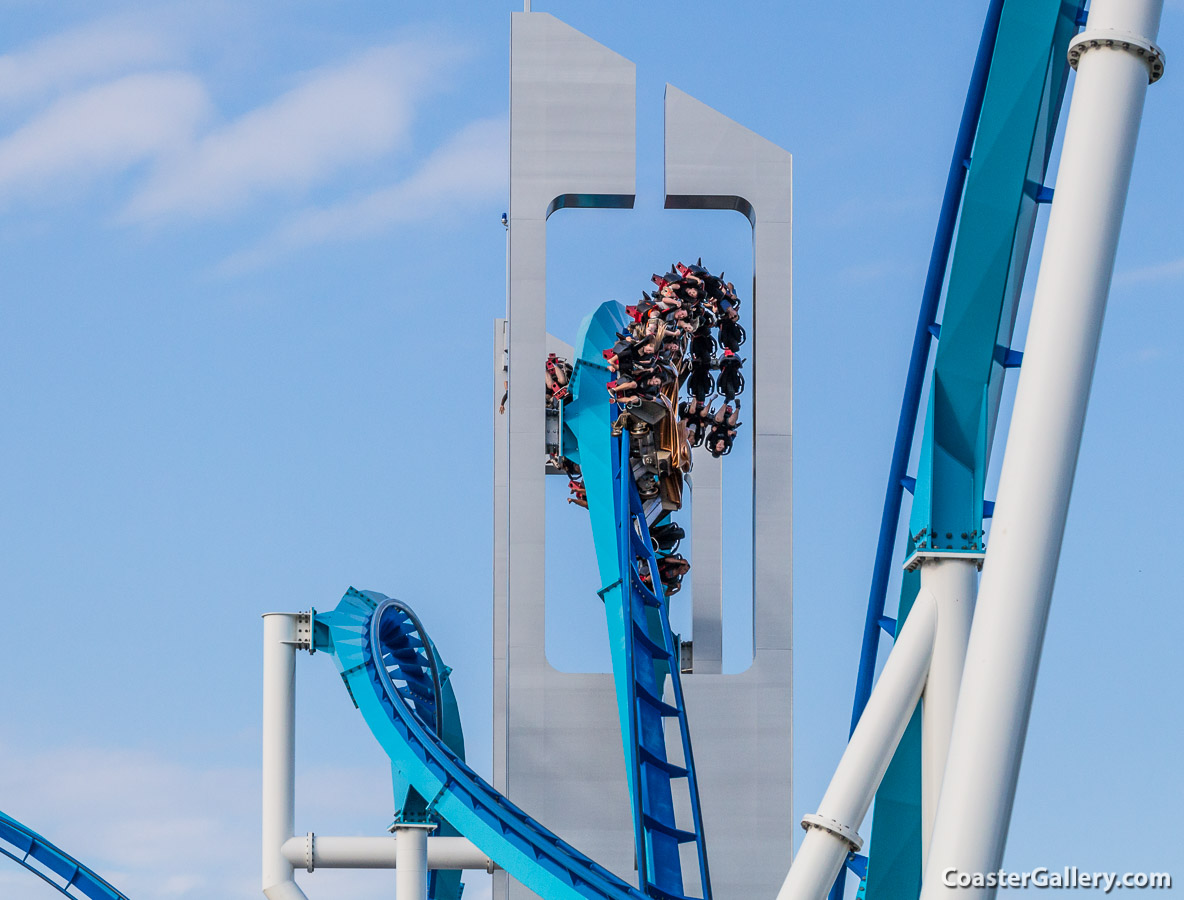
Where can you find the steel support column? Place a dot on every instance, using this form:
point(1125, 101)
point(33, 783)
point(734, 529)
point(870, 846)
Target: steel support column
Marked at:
point(1117, 60)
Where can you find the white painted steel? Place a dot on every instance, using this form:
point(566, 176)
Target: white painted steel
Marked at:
point(284, 890)
point(742, 724)
point(411, 861)
point(331, 852)
point(279, 753)
point(995, 699)
point(825, 846)
point(707, 562)
point(573, 125)
point(953, 583)
point(557, 750)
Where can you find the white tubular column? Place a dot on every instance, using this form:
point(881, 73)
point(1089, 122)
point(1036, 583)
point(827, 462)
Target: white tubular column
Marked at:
point(953, 583)
point(831, 833)
point(1116, 58)
point(279, 753)
point(411, 861)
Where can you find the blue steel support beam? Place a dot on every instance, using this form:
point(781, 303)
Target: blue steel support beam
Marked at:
point(926, 330)
point(914, 381)
point(894, 850)
point(1017, 121)
point(1002, 192)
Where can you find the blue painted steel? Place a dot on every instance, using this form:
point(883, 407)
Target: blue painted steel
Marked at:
point(642, 648)
point(653, 657)
point(54, 866)
point(587, 418)
point(857, 863)
point(417, 672)
point(930, 297)
point(1015, 96)
point(894, 851)
point(353, 634)
point(999, 205)
point(389, 667)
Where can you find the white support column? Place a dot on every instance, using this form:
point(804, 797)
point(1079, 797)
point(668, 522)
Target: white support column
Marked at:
point(953, 583)
point(1116, 58)
point(411, 861)
point(831, 833)
point(279, 753)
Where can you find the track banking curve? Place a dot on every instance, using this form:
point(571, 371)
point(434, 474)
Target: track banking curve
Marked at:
point(388, 665)
point(644, 652)
point(539, 859)
point(51, 864)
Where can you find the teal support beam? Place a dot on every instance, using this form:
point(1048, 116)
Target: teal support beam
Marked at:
point(1004, 187)
point(894, 850)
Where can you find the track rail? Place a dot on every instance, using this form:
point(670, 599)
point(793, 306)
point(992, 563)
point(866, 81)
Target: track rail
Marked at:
point(643, 649)
point(994, 187)
point(391, 670)
point(535, 856)
point(419, 676)
point(51, 864)
point(652, 655)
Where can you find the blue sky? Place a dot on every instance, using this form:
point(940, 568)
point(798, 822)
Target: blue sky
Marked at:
point(251, 258)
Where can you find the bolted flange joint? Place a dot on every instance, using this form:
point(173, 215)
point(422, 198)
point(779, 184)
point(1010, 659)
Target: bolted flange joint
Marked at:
point(1147, 51)
point(843, 832)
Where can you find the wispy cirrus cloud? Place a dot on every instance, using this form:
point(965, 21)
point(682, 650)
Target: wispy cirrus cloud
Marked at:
point(338, 116)
point(96, 50)
point(471, 167)
point(1161, 272)
point(159, 829)
point(102, 129)
point(106, 113)
point(153, 828)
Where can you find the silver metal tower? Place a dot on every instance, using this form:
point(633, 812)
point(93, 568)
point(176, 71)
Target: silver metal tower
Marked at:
point(557, 749)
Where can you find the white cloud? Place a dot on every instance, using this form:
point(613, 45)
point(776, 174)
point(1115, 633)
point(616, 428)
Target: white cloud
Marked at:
point(159, 830)
point(1161, 272)
point(471, 167)
point(103, 129)
point(147, 825)
point(340, 116)
point(1148, 354)
point(161, 128)
point(96, 50)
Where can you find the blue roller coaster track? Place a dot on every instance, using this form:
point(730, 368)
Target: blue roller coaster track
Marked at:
point(54, 866)
point(650, 657)
point(995, 185)
point(369, 636)
point(642, 647)
point(414, 667)
point(392, 672)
